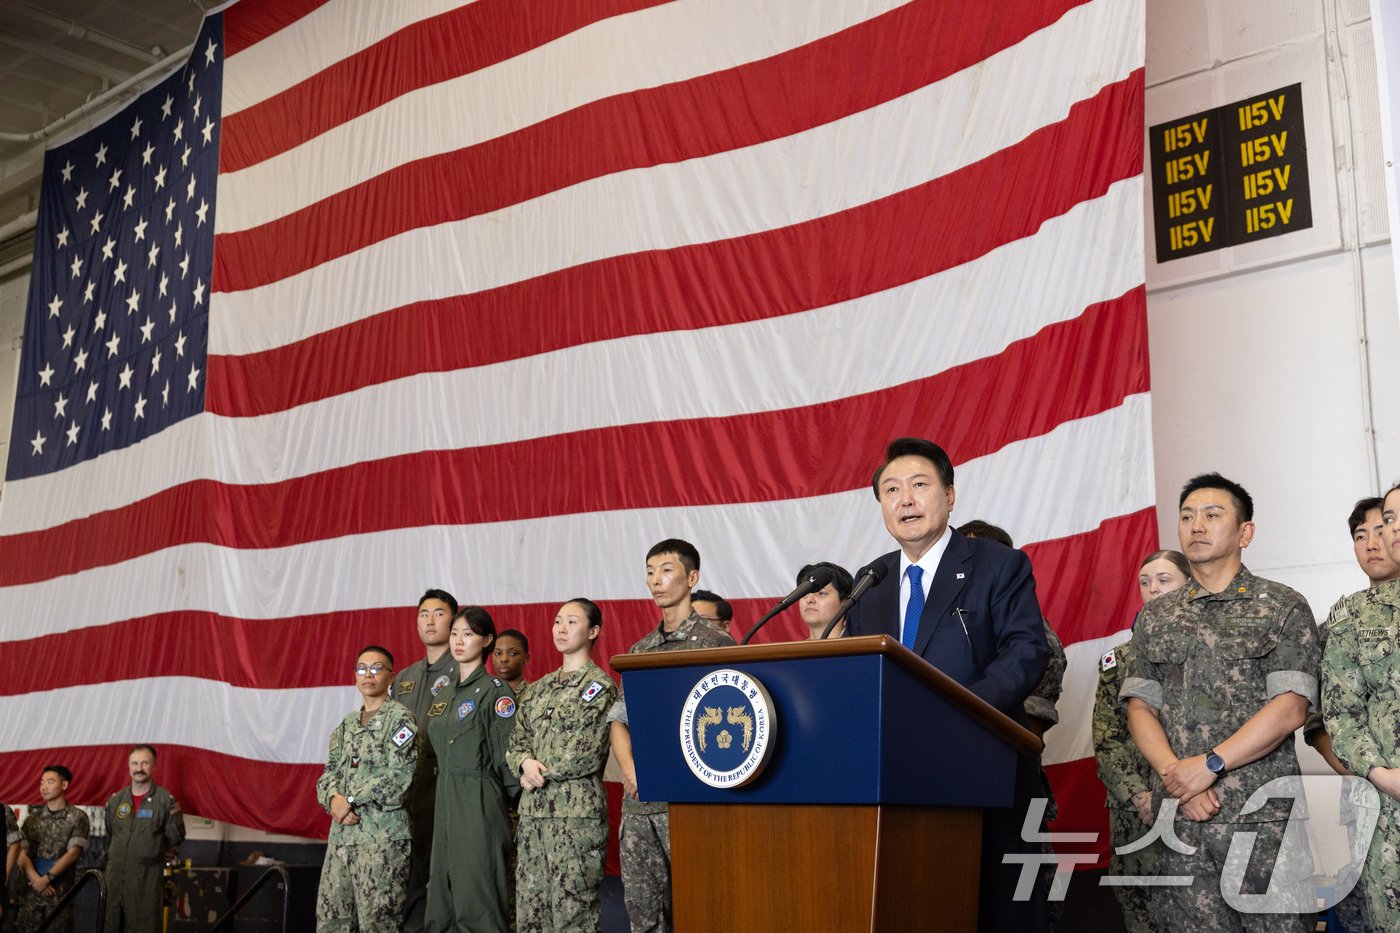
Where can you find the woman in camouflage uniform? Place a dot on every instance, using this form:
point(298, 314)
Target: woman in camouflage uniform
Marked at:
point(1123, 770)
point(559, 748)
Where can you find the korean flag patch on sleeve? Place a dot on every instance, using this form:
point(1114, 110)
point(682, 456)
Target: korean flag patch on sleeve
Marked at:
point(403, 736)
point(593, 690)
point(1108, 662)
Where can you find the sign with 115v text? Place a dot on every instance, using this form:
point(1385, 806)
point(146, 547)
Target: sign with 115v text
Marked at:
point(1230, 175)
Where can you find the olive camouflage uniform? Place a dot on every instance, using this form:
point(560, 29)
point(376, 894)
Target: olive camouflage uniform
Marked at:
point(470, 726)
point(644, 840)
point(137, 839)
point(1351, 911)
point(417, 688)
point(563, 831)
point(1125, 773)
point(46, 836)
point(365, 872)
point(1041, 705)
point(1361, 707)
point(1207, 662)
point(11, 837)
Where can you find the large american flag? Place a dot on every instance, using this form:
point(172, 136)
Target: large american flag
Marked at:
point(371, 297)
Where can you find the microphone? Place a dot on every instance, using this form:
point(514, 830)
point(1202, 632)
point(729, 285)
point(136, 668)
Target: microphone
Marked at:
point(816, 580)
point(867, 578)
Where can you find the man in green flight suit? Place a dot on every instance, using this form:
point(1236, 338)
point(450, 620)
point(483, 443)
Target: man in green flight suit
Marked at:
point(368, 769)
point(417, 687)
point(145, 828)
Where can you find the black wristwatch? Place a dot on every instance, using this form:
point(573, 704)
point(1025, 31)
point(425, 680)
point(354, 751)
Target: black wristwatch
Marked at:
point(1215, 764)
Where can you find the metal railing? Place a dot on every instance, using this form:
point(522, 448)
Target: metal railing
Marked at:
point(92, 874)
point(247, 895)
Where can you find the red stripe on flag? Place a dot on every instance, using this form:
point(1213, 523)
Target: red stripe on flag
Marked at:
point(889, 242)
point(248, 22)
point(425, 53)
point(1080, 797)
point(256, 794)
point(783, 95)
point(1040, 382)
point(1087, 583)
point(253, 653)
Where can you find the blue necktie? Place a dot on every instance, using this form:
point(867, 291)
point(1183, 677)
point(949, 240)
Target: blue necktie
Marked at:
point(915, 607)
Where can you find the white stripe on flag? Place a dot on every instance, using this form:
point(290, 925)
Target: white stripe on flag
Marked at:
point(755, 545)
point(1012, 292)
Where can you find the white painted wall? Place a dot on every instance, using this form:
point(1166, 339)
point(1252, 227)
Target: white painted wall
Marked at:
point(1276, 363)
point(1272, 362)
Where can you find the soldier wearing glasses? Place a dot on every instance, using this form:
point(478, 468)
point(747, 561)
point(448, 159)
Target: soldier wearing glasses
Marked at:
point(368, 769)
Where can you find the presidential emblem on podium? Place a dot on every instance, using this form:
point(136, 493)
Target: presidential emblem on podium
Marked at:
point(727, 728)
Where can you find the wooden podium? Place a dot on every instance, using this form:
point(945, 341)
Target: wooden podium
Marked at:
point(867, 812)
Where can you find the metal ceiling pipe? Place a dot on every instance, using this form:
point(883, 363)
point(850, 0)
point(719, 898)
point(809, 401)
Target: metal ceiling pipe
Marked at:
point(79, 31)
point(167, 64)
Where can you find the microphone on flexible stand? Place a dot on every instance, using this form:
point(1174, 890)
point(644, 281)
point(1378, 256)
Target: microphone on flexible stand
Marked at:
point(818, 579)
point(866, 577)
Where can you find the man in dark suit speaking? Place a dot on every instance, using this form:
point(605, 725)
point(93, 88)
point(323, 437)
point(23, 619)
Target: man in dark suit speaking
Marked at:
point(968, 607)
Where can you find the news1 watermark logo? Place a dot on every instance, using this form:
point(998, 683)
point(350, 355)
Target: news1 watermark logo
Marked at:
point(1324, 852)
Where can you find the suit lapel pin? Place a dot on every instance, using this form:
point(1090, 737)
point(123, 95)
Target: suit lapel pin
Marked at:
point(961, 575)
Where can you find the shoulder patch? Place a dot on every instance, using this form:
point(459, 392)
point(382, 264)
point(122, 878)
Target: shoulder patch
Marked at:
point(406, 687)
point(1108, 661)
point(497, 682)
point(438, 684)
point(436, 709)
point(403, 736)
point(505, 707)
point(593, 690)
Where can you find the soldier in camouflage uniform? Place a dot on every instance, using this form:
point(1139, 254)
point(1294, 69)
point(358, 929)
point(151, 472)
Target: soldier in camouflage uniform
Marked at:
point(144, 830)
point(12, 849)
point(1367, 527)
point(369, 767)
point(559, 747)
point(1361, 708)
point(417, 688)
point(644, 841)
point(1122, 769)
point(1222, 672)
point(52, 839)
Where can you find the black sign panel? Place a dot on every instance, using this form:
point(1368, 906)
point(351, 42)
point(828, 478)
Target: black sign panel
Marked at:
point(1230, 175)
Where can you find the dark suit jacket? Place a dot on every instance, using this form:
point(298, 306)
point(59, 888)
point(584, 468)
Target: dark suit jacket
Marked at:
point(1002, 655)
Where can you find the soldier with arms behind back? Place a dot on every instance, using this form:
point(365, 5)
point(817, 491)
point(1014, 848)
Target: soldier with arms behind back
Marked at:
point(417, 687)
point(145, 828)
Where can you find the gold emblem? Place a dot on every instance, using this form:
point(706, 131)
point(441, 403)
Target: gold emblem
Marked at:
point(406, 687)
point(714, 716)
point(737, 717)
point(436, 709)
